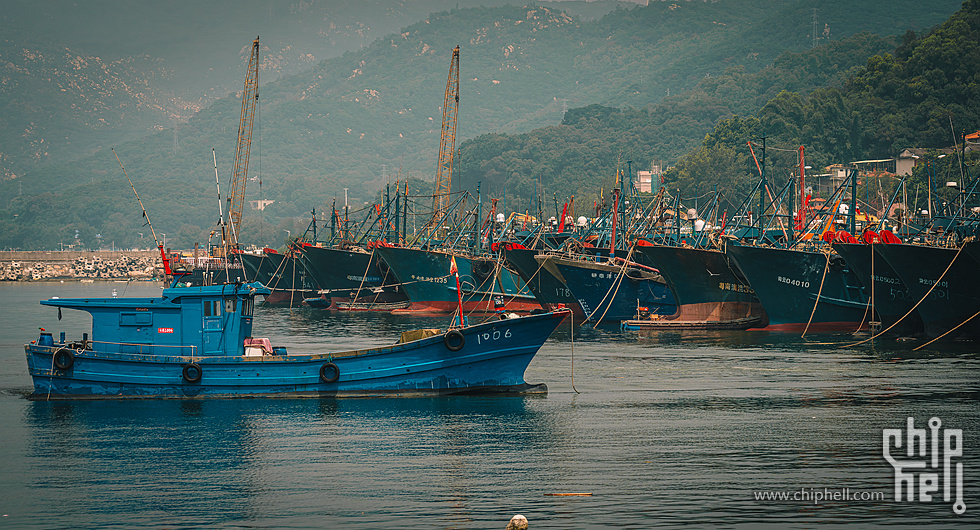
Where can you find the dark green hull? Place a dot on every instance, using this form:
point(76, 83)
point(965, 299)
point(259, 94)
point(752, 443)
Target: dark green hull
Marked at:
point(349, 278)
point(892, 298)
point(803, 290)
point(425, 276)
point(954, 300)
point(704, 286)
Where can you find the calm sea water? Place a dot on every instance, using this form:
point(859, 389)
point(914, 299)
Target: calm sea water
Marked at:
point(664, 430)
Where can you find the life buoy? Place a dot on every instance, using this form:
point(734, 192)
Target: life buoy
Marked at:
point(329, 373)
point(454, 340)
point(192, 372)
point(64, 359)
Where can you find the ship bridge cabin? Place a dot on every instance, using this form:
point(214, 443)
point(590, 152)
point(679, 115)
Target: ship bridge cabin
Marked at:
point(211, 320)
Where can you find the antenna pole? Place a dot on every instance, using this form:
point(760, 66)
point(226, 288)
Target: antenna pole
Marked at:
point(221, 214)
point(163, 255)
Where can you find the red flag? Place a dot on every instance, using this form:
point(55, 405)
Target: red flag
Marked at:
point(561, 224)
point(459, 291)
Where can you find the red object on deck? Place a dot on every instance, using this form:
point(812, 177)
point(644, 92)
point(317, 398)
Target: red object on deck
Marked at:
point(843, 236)
point(889, 238)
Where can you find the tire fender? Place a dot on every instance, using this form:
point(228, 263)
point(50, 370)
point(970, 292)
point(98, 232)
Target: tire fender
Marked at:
point(329, 373)
point(454, 340)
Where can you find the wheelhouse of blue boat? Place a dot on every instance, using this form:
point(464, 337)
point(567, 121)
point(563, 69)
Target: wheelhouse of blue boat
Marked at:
point(200, 321)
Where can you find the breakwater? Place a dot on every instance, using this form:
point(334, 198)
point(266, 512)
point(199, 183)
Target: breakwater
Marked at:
point(74, 264)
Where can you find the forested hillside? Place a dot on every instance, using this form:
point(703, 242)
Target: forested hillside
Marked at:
point(334, 126)
point(925, 93)
point(584, 151)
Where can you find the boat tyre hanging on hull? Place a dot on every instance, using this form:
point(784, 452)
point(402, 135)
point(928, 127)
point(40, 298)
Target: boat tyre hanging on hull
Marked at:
point(64, 359)
point(454, 340)
point(192, 372)
point(329, 373)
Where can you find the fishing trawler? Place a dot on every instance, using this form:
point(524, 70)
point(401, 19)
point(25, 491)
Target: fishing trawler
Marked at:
point(352, 279)
point(707, 291)
point(196, 342)
point(486, 287)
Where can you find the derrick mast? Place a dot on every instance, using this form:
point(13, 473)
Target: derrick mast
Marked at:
point(447, 144)
point(250, 98)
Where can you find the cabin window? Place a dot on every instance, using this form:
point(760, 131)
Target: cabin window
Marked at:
point(212, 308)
point(247, 305)
point(231, 304)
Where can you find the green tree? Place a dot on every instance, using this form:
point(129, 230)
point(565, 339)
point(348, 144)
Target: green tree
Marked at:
point(707, 169)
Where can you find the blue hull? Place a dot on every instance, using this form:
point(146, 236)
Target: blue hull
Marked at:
point(493, 358)
point(425, 277)
point(608, 294)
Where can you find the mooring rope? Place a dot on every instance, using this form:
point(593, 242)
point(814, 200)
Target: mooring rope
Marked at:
point(571, 331)
point(617, 283)
point(947, 333)
point(871, 300)
point(913, 307)
point(819, 292)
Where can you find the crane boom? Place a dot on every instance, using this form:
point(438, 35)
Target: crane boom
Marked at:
point(250, 98)
point(447, 143)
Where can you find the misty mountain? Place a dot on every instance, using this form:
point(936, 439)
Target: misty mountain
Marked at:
point(333, 126)
point(77, 76)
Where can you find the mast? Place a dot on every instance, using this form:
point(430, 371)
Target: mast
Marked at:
point(250, 97)
point(763, 188)
point(853, 211)
point(405, 211)
point(801, 213)
point(221, 215)
point(615, 214)
point(447, 144)
point(479, 219)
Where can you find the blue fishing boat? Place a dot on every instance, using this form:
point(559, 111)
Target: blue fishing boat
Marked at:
point(424, 274)
point(196, 342)
point(611, 290)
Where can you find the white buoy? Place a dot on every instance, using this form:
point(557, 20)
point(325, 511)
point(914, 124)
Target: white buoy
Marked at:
point(517, 522)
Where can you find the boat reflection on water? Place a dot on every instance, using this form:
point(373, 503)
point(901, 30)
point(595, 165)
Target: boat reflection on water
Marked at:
point(145, 462)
